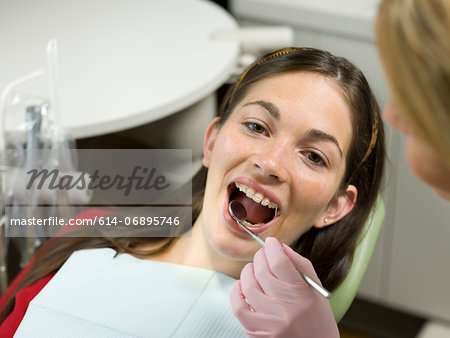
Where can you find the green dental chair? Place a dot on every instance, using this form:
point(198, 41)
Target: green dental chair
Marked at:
point(343, 295)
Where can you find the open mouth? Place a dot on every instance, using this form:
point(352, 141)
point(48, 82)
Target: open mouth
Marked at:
point(260, 209)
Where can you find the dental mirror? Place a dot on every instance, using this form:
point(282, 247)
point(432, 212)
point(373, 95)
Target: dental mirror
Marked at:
point(238, 212)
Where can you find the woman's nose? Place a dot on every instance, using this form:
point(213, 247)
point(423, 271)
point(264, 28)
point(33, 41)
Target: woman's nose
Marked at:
point(270, 162)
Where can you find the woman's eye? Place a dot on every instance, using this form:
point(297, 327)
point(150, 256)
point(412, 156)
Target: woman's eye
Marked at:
point(255, 127)
point(315, 158)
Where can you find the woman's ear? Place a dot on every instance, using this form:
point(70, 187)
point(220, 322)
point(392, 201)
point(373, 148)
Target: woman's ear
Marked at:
point(209, 140)
point(340, 207)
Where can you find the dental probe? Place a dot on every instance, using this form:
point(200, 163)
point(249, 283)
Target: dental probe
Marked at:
point(239, 214)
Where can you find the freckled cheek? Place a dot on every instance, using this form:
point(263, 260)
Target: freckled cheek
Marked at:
point(232, 147)
point(314, 192)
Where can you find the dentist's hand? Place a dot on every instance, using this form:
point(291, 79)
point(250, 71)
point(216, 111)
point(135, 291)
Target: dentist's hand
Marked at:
point(280, 302)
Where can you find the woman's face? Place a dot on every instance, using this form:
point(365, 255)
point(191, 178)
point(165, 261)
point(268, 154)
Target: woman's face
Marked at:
point(284, 144)
point(422, 159)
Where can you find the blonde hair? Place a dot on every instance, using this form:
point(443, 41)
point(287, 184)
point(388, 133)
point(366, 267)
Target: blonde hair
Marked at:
point(413, 38)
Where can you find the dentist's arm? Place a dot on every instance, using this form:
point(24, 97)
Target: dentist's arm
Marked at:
point(280, 302)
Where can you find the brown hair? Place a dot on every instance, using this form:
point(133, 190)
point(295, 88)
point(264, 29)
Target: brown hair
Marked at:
point(330, 249)
point(413, 39)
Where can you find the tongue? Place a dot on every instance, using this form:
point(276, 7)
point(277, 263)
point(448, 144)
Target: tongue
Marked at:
point(256, 213)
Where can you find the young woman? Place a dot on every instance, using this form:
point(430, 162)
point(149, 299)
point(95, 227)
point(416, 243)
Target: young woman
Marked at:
point(299, 143)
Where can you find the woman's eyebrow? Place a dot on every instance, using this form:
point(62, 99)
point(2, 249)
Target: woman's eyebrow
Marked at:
point(319, 134)
point(270, 107)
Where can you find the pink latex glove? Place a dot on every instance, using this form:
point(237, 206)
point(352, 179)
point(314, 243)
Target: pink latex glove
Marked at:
point(283, 304)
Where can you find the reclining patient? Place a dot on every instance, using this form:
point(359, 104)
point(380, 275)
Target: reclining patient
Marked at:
point(298, 141)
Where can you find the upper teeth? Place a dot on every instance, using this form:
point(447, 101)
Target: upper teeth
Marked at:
point(256, 196)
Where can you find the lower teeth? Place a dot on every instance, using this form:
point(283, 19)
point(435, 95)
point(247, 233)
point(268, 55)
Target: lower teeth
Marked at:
point(253, 225)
